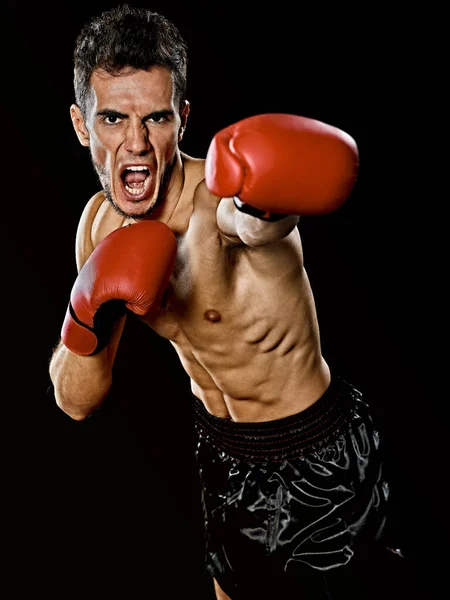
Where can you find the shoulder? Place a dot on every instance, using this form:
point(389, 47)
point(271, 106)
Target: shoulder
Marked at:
point(195, 191)
point(194, 173)
point(204, 203)
point(97, 220)
point(194, 179)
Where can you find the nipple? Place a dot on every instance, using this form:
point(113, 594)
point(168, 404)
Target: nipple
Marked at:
point(212, 315)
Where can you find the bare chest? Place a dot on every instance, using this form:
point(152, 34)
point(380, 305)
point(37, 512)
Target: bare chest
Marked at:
point(218, 292)
point(200, 290)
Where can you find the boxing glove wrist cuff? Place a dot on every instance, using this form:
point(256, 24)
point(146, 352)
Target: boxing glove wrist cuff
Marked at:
point(89, 340)
point(264, 215)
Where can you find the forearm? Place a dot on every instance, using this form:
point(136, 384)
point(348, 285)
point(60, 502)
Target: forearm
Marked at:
point(81, 383)
point(255, 232)
point(249, 229)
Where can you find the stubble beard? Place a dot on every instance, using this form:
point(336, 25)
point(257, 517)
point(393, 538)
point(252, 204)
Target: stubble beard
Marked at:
point(104, 179)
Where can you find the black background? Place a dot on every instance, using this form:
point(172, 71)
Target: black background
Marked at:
point(114, 500)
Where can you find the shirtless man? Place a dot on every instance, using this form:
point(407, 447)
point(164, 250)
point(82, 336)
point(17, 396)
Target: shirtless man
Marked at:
point(208, 254)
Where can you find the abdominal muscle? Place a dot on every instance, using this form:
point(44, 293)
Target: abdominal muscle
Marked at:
point(250, 361)
point(260, 388)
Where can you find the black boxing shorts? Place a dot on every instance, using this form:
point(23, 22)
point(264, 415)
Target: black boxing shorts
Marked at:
point(293, 506)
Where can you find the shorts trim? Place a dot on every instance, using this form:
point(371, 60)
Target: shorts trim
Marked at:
point(290, 437)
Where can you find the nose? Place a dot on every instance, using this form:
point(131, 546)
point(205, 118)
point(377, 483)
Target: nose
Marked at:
point(137, 141)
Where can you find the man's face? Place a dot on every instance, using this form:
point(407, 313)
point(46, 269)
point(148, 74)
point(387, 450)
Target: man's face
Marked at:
point(132, 128)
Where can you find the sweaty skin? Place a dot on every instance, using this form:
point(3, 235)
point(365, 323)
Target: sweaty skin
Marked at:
point(239, 309)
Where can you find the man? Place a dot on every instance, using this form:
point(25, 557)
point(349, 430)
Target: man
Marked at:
point(207, 252)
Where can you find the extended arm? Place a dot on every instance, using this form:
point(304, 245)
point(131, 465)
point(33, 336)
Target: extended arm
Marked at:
point(270, 169)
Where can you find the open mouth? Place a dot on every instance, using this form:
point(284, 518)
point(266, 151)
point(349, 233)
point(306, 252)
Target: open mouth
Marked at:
point(136, 180)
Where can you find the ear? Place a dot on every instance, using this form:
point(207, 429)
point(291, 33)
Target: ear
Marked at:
point(184, 118)
point(79, 125)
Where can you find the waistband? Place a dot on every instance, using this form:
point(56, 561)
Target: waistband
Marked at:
point(289, 437)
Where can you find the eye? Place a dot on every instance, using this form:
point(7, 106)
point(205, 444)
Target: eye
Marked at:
point(111, 119)
point(158, 118)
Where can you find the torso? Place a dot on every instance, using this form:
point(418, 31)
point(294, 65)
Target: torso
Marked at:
point(241, 319)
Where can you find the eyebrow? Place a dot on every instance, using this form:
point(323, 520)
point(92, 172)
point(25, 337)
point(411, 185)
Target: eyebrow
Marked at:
point(110, 112)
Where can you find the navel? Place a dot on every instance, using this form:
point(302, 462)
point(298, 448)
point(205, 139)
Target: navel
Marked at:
point(212, 315)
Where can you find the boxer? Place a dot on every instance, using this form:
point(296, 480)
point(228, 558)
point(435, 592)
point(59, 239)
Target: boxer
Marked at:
point(207, 252)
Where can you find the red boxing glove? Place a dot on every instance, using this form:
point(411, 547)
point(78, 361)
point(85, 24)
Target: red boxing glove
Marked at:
point(130, 269)
point(280, 163)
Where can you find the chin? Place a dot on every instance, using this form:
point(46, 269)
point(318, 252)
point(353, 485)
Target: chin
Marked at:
point(138, 212)
point(133, 209)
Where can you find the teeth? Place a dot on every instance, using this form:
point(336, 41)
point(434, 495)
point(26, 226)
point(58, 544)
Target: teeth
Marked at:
point(133, 191)
point(137, 188)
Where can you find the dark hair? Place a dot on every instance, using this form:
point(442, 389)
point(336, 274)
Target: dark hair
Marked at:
point(128, 37)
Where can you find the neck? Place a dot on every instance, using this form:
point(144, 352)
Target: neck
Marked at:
point(165, 211)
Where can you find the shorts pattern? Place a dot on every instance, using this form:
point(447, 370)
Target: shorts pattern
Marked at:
point(291, 504)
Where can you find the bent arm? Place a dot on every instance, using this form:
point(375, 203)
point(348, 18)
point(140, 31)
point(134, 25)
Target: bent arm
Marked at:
point(81, 383)
point(128, 269)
